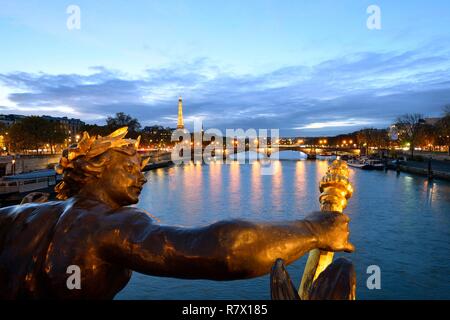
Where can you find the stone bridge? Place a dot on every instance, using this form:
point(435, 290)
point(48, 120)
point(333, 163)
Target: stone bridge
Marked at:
point(312, 151)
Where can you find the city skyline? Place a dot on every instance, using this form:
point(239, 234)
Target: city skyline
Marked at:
point(307, 69)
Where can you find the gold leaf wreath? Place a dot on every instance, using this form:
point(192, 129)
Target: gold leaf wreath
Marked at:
point(91, 147)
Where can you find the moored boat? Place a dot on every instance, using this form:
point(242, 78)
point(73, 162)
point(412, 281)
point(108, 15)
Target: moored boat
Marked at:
point(360, 164)
point(28, 182)
point(366, 164)
point(375, 164)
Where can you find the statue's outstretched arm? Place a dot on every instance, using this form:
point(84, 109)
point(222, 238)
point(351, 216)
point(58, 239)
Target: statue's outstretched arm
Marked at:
point(225, 250)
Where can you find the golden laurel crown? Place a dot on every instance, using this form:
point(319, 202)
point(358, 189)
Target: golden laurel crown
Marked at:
point(92, 146)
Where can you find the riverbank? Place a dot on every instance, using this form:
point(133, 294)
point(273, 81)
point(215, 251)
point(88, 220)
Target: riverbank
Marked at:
point(435, 169)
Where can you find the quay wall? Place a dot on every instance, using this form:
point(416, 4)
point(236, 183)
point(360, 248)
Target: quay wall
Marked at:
point(424, 172)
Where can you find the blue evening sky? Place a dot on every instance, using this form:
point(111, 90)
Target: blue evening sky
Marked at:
point(305, 67)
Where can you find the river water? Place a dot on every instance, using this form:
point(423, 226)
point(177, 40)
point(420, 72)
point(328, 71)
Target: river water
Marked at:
point(400, 223)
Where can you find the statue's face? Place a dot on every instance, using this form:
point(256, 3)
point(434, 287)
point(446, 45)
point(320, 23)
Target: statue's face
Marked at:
point(122, 178)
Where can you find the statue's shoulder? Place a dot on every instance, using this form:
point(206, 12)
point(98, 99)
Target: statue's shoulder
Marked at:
point(36, 216)
point(133, 214)
point(31, 207)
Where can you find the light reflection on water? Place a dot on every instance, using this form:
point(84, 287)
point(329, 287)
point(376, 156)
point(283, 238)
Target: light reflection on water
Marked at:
point(400, 223)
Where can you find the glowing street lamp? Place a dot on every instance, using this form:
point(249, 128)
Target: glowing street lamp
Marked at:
point(13, 167)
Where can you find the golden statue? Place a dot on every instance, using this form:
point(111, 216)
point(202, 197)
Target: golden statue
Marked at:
point(322, 278)
point(93, 227)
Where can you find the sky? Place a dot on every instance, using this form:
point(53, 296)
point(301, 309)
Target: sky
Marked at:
point(308, 68)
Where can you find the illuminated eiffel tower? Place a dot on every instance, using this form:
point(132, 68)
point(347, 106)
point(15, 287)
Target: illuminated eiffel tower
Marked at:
point(180, 124)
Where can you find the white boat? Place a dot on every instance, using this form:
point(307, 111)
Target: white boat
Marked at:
point(366, 164)
point(27, 182)
point(360, 164)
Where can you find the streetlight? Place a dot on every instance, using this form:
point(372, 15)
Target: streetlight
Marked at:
point(13, 166)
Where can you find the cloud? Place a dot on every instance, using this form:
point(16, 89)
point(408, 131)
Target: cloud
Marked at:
point(339, 95)
point(338, 123)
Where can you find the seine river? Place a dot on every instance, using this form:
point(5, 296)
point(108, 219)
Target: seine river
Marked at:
point(399, 223)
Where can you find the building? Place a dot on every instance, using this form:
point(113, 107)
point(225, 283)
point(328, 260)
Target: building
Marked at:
point(72, 127)
point(9, 119)
point(431, 121)
point(157, 136)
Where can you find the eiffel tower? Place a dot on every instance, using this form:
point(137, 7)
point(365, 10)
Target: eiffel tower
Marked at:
point(180, 124)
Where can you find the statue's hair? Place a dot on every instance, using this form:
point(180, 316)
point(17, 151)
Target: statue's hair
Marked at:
point(84, 161)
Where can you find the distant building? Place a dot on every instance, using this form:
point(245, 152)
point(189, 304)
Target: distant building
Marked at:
point(158, 135)
point(10, 119)
point(71, 127)
point(432, 121)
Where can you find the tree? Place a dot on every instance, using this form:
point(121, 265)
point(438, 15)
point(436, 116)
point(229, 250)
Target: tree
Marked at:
point(428, 135)
point(3, 128)
point(120, 120)
point(409, 126)
point(372, 137)
point(27, 133)
point(95, 130)
point(53, 133)
point(446, 110)
point(33, 132)
point(4, 137)
point(443, 127)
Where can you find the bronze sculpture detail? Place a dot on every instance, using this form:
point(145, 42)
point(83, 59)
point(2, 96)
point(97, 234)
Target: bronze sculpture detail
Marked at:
point(93, 227)
point(335, 191)
point(322, 278)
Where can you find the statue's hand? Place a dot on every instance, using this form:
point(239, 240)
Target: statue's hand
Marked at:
point(331, 229)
